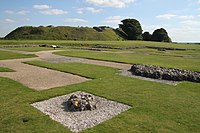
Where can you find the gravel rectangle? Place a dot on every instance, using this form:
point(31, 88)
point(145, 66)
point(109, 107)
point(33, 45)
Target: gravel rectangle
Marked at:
point(78, 121)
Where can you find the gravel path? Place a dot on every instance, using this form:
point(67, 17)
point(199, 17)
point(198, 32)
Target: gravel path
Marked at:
point(129, 74)
point(49, 57)
point(56, 109)
point(41, 78)
point(38, 78)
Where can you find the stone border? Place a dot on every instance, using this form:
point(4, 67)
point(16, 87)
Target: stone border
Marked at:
point(57, 110)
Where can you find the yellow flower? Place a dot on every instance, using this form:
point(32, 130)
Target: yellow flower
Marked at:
point(76, 103)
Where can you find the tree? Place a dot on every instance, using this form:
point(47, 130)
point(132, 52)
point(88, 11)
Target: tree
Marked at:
point(161, 35)
point(132, 28)
point(147, 36)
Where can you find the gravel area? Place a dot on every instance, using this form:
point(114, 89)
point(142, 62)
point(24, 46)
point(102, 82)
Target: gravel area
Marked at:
point(127, 73)
point(57, 110)
point(38, 78)
point(49, 57)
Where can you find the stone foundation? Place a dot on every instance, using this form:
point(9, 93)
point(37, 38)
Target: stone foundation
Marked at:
point(157, 72)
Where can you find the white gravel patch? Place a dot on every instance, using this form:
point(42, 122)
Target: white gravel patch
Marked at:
point(78, 121)
point(129, 74)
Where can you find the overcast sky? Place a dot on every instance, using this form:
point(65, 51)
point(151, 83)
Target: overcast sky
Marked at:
point(181, 18)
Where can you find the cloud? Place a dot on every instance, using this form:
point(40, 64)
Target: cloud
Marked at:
point(185, 34)
point(80, 11)
point(93, 10)
point(170, 16)
point(110, 3)
point(9, 20)
point(90, 9)
point(186, 17)
point(53, 12)
point(41, 7)
point(151, 28)
point(9, 12)
point(166, 16)
point(22, 12)
point(190, 22)
point(113, 19)
point(27, 19)
point(75, 20)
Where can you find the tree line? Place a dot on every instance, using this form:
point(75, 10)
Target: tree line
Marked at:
point(132, 29)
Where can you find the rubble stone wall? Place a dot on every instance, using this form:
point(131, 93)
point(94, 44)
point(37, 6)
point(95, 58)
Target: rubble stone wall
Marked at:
point(157, 72)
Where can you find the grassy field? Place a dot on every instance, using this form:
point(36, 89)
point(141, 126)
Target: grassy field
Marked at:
point(97, 43)
point(32, 49)
point(4, 69)
point(160, 60)
point(156, 107)
point(11, 55)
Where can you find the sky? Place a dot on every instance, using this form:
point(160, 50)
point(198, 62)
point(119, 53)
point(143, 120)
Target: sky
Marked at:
point(181, 18)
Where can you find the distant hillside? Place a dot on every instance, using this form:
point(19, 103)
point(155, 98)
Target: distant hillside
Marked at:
point(64, 33)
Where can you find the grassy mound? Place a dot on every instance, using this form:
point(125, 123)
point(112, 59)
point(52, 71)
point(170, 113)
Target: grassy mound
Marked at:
point(62, 33)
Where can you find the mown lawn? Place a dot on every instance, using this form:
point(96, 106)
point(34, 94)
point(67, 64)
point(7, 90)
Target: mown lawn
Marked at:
point(32, 49)
point(160, 60)
point(11, 55)
point(156, 107)
point(97, 43)
point(5, 69)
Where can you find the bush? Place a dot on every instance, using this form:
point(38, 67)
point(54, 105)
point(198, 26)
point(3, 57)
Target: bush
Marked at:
point(147, 36)
point(132, 28)
point(161, 35)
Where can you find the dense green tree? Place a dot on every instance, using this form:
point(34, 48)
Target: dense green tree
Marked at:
point(147, 36)
point(161, 35)
point(132, 28)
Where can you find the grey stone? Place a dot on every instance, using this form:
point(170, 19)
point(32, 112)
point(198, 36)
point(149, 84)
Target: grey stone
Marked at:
point(157, 72)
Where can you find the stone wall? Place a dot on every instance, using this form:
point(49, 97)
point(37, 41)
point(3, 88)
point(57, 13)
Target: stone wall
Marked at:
point(157, 72)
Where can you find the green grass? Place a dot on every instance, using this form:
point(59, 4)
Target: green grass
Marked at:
point(11, 55)
point(156, 107)
point(61, 33)
point(85, 70)
point(160, 60)
point(32, 49)
point(5, 69)
point(96, 43)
